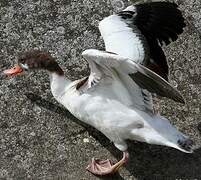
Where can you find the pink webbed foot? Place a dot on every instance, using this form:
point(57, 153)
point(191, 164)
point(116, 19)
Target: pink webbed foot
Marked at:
point(105, 167)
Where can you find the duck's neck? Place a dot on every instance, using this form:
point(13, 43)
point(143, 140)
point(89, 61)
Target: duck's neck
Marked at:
point(58, 83)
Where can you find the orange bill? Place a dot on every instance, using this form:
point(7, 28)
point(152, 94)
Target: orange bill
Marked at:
point(13, 71)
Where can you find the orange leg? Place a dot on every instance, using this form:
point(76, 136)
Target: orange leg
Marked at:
point(105, 167)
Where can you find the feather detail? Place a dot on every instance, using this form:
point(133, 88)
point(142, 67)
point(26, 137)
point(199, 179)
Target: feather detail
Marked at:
point(159, 22)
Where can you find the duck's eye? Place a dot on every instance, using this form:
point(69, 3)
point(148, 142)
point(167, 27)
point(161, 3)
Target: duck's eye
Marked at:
point(24, 66)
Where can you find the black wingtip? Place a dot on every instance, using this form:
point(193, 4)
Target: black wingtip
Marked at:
point(160, 23)
point(167, 20)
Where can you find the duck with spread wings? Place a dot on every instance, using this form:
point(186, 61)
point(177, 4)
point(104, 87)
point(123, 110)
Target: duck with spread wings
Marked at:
point(116, 97)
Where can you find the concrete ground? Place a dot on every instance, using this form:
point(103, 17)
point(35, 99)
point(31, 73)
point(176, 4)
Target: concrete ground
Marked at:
point(39, 139)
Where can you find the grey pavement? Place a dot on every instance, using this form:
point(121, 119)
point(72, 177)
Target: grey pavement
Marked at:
point(39, 139)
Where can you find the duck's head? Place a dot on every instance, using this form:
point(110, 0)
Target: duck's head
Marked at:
point(35, 60)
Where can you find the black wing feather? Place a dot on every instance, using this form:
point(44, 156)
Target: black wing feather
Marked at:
point(153, 17)
point(159, 22)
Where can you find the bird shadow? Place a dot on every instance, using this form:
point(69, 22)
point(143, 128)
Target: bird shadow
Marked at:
point(146, 161)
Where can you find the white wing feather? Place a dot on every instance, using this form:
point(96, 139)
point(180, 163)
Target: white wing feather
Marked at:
point(144, 77)
point(121, 39)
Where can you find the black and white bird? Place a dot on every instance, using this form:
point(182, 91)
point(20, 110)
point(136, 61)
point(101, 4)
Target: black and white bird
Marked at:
point(116, 97)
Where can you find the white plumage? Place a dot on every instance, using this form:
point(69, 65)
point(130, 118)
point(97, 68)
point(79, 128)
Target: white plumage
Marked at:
point(109, 104)
point(115, 98)
point(121, 39)
point(116, 105)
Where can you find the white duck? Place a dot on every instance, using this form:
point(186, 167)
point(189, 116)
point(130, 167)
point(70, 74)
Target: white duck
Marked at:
point(115, 98)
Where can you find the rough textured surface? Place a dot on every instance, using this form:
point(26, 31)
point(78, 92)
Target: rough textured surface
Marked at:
point(39, 139)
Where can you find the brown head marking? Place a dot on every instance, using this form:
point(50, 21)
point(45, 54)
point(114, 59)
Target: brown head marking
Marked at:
point(36, 59)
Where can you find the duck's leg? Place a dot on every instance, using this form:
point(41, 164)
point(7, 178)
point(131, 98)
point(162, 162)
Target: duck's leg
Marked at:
point(105, 167)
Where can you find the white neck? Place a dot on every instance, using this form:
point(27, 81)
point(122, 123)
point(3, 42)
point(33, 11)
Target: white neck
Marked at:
point(58, 83)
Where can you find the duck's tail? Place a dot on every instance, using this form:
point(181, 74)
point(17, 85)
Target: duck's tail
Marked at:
point(185, 145)
point(172, 137)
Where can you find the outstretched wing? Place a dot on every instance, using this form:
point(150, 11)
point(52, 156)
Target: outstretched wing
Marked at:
point(139, 31)
point(102, 63)
point(162, 21)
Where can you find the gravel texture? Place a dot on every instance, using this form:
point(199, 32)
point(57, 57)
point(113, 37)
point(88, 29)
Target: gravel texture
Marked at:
point(39, 139)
